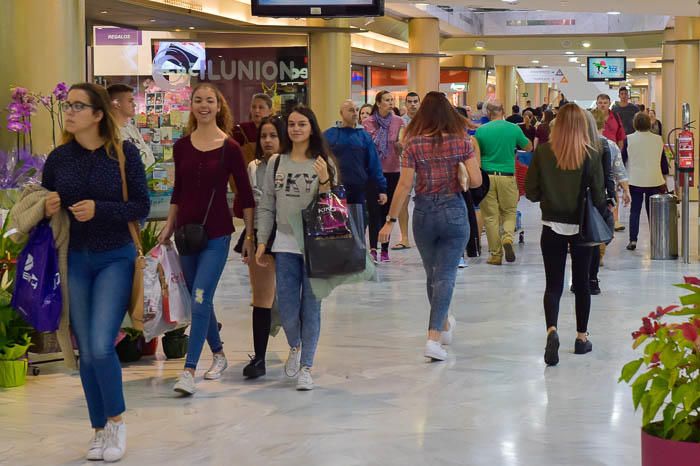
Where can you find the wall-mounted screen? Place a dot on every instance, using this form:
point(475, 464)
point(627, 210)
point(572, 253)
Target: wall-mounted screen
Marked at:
point(607, 68)
point(179, 57)
point(317, 8)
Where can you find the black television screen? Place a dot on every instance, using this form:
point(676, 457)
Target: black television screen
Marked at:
point(317, 8)
point(607, 68)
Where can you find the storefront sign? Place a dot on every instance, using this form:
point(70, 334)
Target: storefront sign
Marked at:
point(541, 75)
point(117, 36)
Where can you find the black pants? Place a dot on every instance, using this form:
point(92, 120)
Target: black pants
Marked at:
point(554, 249)
point(595, 263)
point(377, 213)
point(473, 246)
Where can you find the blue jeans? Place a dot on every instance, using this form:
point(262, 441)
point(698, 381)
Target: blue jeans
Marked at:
point(99, 290)
point(441, 232)
point(300, 311)
point(202, 273)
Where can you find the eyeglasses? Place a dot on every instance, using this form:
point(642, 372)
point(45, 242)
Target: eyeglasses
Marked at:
point(75, 106)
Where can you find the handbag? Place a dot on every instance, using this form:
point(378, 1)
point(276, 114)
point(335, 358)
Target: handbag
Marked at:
point(192, 238)
point(594, 230)
point(136, 301)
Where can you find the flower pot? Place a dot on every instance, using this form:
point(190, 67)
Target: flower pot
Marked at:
point(13, 373)
point(657, 451)
point(175, 346)
point(130, 350)
point(150, 347)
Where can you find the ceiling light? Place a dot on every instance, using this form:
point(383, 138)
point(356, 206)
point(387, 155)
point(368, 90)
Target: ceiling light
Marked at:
point(535, 61)
point(619, 50)
point(178, 30)
point(614, 12)
point(422, 5)
point(152, 20)
point(586, 44)
point(382, 64)
point(104, 12)
point(191, 27)
point(583, 65)
point(573, 59)
point(646, 74)
point(632, 60)
point(569, 53)
point(510, 1)
point(479, 44)
point(545, 66)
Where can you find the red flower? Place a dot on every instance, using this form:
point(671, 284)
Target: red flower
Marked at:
point(663, 311)
point(692, 281)
point(655, 358)
point(648, 328)
point(690, 332)
point(636, 334)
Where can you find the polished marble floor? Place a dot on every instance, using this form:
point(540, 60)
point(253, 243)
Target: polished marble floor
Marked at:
point(377, 402)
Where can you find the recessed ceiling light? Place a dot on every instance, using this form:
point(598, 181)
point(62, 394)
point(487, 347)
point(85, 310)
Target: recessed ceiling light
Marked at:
point(586, 44)
point(573, 59)
point(104, 12)
point(369, 61)
point(510, 1)
point(220, 56)
point(619, 50)
point(422, 5)
point(646, 74)
point(382, 64)
point(569, 53)
point(545, 66)
point(479, 44)
point(632, 60)
point(191, 27)
point(535, 61)
point(152, 20)
point(614, 12)
point(178, 30)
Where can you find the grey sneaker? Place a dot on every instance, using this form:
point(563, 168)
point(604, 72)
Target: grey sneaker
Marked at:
point(293, 364)
point(218, 366)
point(185, 384)
point(97, 447)
point(305, 382)
point(115, 441)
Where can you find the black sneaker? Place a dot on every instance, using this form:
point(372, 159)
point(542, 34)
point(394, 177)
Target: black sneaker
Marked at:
point(583, 347)
point(254, 369)
point(551, 351)
point(510, 252)
point(632, 246)
point(595, 287)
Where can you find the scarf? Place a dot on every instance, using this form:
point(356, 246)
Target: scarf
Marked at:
point(381, 137)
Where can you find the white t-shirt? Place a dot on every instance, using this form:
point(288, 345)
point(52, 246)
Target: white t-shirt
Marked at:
point(131, 133)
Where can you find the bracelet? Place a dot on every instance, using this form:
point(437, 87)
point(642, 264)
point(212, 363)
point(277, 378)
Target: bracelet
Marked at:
point(328, 180)
point(249, 238)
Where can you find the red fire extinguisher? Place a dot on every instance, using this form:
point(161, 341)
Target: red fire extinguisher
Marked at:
point(686, 150)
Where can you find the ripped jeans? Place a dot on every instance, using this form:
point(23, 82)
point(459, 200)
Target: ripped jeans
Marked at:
point(202, 273)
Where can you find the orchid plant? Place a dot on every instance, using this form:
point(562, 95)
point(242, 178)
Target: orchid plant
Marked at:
point(19, 119)
point(52, 104)
point(670, 383)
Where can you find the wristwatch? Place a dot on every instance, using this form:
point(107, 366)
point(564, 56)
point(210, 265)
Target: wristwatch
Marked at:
point(390, 219)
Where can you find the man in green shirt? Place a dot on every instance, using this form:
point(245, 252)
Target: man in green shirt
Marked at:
point(498, 141)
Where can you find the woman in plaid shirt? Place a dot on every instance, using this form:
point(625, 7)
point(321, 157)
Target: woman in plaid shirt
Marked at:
point(436, 143)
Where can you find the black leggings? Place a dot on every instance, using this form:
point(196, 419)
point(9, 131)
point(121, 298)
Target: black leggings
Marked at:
point(473, 246)
point(595, 263)
point(554, 249)
point(377, 213)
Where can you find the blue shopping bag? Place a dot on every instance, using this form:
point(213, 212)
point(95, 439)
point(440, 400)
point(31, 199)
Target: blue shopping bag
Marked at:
point(37, 296)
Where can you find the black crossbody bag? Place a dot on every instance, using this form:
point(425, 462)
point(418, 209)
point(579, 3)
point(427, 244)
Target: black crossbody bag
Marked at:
point(192, 238)
point(594, 228)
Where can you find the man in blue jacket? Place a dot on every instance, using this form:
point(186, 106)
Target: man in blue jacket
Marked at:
point(360, 168)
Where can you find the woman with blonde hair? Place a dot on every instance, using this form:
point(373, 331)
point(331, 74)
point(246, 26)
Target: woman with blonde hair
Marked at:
point(559, 170)
point(83, 177)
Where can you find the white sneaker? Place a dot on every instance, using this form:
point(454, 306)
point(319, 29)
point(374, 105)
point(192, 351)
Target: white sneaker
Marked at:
point(293, 364)
point(185, 384)
point(434, 351)
point(305, 382)
point(217, 367)
point(97, 447)
point(115, 441)
point(462, 263)
point(446, 336)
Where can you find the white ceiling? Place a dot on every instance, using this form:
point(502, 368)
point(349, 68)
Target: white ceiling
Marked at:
point(656, 7)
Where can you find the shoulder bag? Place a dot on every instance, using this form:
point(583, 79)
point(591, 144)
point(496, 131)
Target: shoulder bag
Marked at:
point(136, 300)
point(192, 238)
point(593, 228)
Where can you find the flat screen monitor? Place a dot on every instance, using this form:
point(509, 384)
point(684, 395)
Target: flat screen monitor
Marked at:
point(317, 8)
point(179, 57)
point(607, 68)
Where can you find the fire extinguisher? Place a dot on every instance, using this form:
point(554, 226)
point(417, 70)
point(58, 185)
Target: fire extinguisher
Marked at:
point(686, 150)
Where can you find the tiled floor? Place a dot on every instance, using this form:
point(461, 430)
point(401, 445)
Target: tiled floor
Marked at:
point(377, 401)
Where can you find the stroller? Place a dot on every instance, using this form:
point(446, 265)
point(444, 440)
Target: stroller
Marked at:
point(522, 163)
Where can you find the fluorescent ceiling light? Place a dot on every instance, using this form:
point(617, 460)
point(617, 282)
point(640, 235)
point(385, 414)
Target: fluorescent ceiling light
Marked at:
point(586, 44)
point(191, 27)
point(619, 50)
point(535, 61)
point(569, 53)
point(632, 60)
point(422, 5)
point(510, 1)
point(573, 59)
point(614, 12)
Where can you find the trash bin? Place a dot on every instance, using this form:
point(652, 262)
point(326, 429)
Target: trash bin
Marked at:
point(663, 223)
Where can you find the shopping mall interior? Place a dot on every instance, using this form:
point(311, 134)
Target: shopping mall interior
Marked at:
point(376, 399)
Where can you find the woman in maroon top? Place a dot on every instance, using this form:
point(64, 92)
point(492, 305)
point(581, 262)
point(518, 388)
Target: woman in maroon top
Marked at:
point(543, 129)
point(204, 161)
point(436, 143)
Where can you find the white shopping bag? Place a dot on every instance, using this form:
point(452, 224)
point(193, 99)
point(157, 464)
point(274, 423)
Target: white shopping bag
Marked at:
point(154, 322)
point(179, 305)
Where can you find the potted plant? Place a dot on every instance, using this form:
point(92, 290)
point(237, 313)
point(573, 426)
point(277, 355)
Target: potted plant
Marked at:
point(14, 343)
point(175, 343)
point(668, 386)
point(130, 347)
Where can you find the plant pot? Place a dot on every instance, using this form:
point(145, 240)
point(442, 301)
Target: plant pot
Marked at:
point(130, 350)
point(13, 373)
point(150, 347)
point(175, 346)
point(657, 451)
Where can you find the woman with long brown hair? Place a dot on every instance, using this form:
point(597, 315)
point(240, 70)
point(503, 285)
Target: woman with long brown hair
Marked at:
point(436, 143)
point(544, 128)
point(83, 177)
point(205, 159)
point(555, 180)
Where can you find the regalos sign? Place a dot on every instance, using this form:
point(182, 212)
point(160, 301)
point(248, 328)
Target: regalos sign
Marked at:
point(175, 62)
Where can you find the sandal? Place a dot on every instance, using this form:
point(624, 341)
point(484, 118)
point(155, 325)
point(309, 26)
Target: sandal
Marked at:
point(399, 247)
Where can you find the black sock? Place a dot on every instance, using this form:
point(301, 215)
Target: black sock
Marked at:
point(262, 320)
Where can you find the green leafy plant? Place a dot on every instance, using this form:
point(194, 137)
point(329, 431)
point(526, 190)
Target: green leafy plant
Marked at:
point(149, 236)
point(670, 383)
point(132, 333)
point(14, 332)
